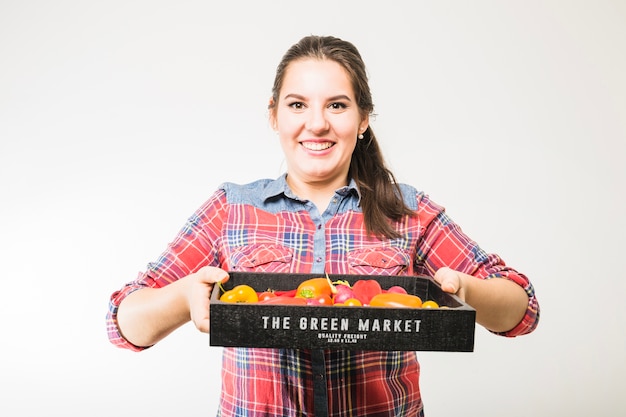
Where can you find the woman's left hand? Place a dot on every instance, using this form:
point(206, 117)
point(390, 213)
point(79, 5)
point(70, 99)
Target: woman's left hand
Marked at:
point(451, 281)
point(500, 304)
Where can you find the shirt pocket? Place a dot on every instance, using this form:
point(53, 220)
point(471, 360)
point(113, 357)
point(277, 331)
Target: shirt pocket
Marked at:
point(262, 257)
point(378, 261)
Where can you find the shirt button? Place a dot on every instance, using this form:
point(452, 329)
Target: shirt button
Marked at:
point(319, 226)
point(319, 259)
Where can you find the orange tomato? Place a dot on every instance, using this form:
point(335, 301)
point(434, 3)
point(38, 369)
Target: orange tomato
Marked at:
point(352, 302)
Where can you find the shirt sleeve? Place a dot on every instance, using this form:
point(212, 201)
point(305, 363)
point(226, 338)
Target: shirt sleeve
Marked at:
point(444, 244)
point(192, 248)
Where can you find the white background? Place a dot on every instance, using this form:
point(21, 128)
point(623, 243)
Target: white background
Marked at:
point(119, 118)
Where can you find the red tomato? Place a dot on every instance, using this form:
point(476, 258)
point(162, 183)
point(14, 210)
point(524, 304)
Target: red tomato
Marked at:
point(266, 294)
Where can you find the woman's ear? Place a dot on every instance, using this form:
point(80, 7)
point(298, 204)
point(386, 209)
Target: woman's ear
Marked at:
point(271, 106)
point(364, 124)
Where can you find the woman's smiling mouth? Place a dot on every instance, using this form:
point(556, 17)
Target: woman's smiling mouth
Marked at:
point(317, 146)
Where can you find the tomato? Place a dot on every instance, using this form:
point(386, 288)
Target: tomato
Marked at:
point(314, 287)
point(285, 300)
point(240, 294)
point(430, 304)
point(350, 302)
point(266, 294)
point(396, 300)
point(365, 289)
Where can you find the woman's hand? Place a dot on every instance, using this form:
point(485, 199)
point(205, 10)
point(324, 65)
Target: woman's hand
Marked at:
point(451, 281)
point(500, 304)
point(148, 315)
point(199, 294)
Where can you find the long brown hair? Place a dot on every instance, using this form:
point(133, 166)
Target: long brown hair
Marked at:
point(381, 198)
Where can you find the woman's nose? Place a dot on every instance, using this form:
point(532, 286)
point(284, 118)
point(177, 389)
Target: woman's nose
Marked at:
point(317, 121)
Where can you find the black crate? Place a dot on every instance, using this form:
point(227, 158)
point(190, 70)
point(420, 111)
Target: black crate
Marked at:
point(334, 327)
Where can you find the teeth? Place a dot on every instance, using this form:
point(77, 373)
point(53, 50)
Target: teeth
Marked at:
point(316, 146)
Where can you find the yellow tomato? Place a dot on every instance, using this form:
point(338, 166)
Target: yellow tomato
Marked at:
point(430, 304)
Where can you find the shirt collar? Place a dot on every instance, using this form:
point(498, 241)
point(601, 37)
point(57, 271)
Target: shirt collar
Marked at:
point(279, 186)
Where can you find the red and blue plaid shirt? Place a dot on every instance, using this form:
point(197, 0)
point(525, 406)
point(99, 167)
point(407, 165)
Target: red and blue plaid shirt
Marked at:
point(264, 227)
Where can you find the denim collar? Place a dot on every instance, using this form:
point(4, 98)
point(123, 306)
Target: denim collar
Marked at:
point(279, 186)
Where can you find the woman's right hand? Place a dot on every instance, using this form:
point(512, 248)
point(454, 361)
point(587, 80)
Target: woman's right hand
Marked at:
point(199, 294)
point(148, 315)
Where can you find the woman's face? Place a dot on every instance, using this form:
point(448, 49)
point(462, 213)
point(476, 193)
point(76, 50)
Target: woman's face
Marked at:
point(318, 121)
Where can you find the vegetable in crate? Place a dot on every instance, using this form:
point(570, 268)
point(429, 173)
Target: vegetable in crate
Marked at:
point(285, 300)
point(350, 302)
point(397, 289)
point(240, 294)
point(396, 300)
point(365, 289)
point(342, 292)
point(317, 290)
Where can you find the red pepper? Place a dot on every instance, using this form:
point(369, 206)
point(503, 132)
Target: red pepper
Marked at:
point(285, 300)
point(287, 293)
point(365, 289)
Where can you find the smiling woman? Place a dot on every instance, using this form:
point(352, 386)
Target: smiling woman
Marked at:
point(318, 121)
point(325, 80)
point(337, 209)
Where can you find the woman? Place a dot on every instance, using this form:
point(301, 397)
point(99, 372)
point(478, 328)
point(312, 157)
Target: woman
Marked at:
point(337, 209)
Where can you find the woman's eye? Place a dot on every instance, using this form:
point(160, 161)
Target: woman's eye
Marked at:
point(296, 105)
point(337, 106)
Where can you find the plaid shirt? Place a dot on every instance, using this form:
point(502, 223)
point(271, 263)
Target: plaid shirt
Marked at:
point(264, 227)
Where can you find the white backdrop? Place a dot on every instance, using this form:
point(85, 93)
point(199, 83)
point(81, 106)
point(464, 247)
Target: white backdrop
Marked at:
point(119, 118)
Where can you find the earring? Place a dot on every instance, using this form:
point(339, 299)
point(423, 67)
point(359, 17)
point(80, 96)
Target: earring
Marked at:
point(360, 136)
